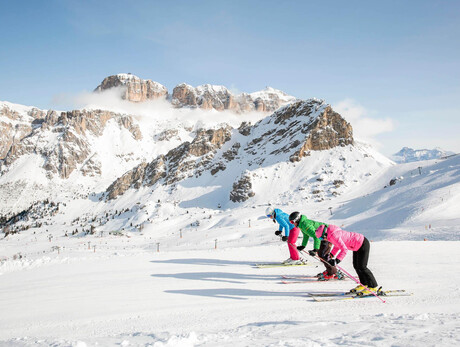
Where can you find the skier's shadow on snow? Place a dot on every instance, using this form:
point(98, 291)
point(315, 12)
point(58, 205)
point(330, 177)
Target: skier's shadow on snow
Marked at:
point(227, 277)
point(204, 261)
point(236, 294)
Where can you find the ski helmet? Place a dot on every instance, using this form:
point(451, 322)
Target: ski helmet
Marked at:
point(269, 211)
point(294, 217)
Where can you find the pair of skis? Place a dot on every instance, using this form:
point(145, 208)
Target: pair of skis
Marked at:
point(336, 296)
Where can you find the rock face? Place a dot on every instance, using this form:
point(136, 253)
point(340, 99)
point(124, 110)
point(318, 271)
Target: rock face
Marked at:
point(220, 98)
point(298, 128)
point(207, 96)
point(242, 189)
point(14, 126)
point(326, 131)
point(289, 134)
point(136, 89)
point(73, 147)
point(188, 159)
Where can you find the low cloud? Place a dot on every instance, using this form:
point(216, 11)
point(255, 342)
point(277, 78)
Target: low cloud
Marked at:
point(364, 127)
point(159, 110)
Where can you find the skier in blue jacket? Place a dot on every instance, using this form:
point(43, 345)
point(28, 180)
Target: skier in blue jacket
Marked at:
point(282, 218)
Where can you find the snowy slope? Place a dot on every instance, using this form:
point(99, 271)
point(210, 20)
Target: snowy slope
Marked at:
point(422, 204)
point(126, 293)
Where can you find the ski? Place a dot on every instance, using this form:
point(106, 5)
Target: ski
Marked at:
point(304, 281)
point(321, 279)
point(331, 294)
point(383, 292)
point(347, 295)
point(299, 277)
point(265, 265)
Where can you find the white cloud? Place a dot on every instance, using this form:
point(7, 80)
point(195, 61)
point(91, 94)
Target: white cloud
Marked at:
point(364, 127)
point(158, 110)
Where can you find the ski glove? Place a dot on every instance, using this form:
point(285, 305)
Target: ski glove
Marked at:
point(278, 232)
point(313, 252)
point(284, 238)
point(334, 262)
point(300, 248)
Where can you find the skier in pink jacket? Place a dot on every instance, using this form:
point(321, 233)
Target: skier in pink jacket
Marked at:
point(343, 241)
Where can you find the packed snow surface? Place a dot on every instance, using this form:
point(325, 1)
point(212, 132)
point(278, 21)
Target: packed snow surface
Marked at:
point(128, 293)
point(182, 283)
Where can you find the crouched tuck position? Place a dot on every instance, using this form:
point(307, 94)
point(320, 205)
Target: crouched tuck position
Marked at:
point(343, 241)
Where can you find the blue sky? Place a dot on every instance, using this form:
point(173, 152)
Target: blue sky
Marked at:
point(393, 64)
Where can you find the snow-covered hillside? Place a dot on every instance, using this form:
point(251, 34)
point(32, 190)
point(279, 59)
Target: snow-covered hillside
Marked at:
point(76, 155)
point(345, 183)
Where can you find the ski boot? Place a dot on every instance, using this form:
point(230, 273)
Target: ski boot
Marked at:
point(321, 274)
point(286, 261)
point(293, 262)
point(357, 289)
point(327, 277)
point(340, 275)
point(368, 291)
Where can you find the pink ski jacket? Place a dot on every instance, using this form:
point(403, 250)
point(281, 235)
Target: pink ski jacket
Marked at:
point(343, 241)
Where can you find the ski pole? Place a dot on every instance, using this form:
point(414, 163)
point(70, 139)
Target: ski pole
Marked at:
point(348, 275)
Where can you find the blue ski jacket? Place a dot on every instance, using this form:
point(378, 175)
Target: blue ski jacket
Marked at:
point(283, 220)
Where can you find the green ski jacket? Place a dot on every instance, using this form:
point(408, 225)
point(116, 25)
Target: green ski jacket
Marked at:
point(308, 228)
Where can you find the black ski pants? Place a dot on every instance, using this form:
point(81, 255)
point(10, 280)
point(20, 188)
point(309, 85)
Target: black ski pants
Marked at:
point(360, 259)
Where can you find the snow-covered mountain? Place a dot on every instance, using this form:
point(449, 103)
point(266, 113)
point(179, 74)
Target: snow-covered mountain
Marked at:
point(407, 155)
point(226, 155)
point(98, 156)
point(164, 163)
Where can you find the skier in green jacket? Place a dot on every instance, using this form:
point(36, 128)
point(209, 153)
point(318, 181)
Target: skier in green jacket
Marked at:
point(321, 248)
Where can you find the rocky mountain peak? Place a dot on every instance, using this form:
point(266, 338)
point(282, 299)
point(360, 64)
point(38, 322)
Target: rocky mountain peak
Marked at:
point(136, 89)
point(299, 127)
point(206, 96)
point(406, 154)
point(220, 98)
